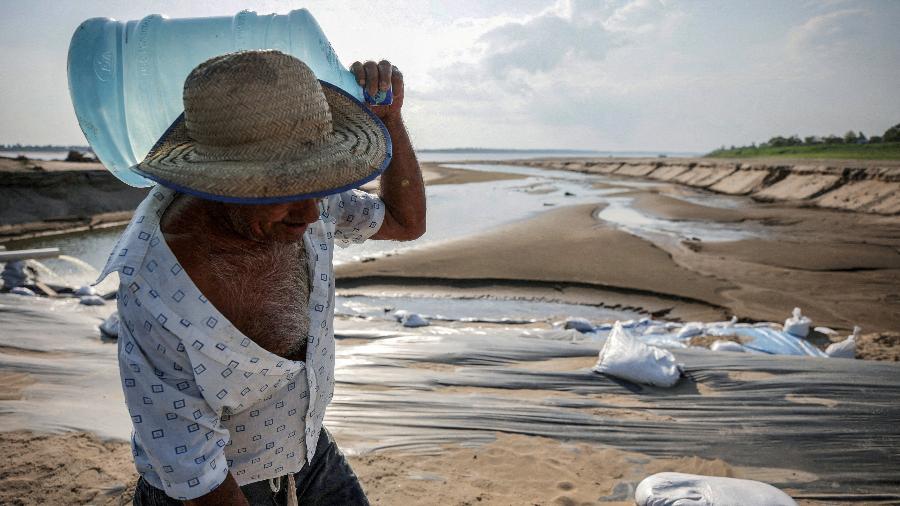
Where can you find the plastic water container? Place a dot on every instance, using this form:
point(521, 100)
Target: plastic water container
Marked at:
point(126, 77)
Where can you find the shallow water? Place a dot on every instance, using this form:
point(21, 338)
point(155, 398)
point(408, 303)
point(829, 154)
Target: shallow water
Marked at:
point(620, 213)
point(475, 310)
point(456, 211)
point(463, 155)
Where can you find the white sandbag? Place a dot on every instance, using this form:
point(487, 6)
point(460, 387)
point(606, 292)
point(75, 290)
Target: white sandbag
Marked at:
point(727, 346)
point(580, 324)
point(679, 489)
point(797, 325)
point(415, 320)
point(845, 348)
point(624, 356)
point(730, 323)
point(656, 330)
point(408, 319)
point(82, 291)
point(826, 330)
point(21, 290)
point(690, 330)
point(92, 300)
point(110, 326)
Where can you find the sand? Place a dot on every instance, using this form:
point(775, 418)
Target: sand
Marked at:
point(869, 186)
point(435, 173)
point(438, 174)
point(78, 468)
point(842, 268)
point(517, 469)
point(879, 346)
point(74, 468)
point(561, 248)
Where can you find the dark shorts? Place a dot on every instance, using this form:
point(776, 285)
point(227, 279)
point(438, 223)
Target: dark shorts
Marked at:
point(327, 481)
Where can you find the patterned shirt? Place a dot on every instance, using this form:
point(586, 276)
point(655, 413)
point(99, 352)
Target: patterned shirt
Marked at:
point(203, 398)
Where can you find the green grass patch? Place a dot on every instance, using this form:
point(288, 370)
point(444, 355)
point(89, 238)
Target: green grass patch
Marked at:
point(880, 151)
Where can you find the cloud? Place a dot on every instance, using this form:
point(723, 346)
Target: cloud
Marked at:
point(544, 42)
point(827, 30)
point(654, 74)
point(639, 16)
point(543, 79)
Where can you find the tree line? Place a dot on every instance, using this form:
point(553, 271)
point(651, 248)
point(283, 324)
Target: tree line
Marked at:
point(892, 134)
point(41, 147)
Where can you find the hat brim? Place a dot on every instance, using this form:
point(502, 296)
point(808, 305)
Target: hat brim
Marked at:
point(358, 151)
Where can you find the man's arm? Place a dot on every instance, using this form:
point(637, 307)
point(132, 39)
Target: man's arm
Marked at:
point(402, 188)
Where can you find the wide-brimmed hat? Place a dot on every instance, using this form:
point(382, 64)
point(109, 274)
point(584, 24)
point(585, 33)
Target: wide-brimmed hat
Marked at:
point(258, 127)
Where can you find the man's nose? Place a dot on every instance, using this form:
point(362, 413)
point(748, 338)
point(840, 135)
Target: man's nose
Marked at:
point(306, 211)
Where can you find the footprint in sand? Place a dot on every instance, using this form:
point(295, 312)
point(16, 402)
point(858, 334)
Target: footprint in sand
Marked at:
point(565, 501)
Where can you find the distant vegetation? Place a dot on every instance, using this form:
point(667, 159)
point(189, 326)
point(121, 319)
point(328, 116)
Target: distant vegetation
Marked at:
point(851, 145)
point(44, 147)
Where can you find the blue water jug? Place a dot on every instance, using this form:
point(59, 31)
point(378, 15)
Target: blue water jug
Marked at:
point(126, 78)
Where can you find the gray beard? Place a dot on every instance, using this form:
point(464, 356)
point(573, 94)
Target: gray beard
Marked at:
point(267, 291)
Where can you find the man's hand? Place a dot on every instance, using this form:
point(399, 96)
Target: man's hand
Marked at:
point(381, 76)
point(228, 492)
point(401, 188)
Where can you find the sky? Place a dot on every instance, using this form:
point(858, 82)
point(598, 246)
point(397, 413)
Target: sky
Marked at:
point(543, 74)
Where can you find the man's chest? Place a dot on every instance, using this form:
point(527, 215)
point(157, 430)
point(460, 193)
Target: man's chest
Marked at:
point(264, 294)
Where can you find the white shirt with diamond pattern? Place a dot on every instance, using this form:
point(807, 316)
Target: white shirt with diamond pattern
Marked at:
point(203, 398)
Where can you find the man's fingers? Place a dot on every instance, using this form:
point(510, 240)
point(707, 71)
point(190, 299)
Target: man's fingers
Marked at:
point(384, 75)
point(371, 77)
point(397, 81)
point(359, 72)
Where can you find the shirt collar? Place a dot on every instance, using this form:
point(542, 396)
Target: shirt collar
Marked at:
point(132, 245)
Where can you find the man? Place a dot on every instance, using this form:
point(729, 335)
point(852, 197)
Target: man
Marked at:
point(226, 282)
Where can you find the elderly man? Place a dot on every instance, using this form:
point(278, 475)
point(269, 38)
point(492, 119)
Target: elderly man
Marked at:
point(227, 287)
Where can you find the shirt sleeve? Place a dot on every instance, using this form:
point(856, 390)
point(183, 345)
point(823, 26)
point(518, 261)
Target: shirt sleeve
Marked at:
point(356, 216)
point(177, 433)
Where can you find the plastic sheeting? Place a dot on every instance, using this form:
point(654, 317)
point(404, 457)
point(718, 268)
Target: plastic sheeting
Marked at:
point(761, 338)
point(419, 391)
point(831, 423)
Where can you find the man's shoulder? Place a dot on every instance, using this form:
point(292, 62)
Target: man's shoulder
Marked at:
point(139, 236)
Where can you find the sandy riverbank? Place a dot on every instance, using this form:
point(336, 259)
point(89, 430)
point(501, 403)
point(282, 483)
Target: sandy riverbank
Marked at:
point(842, 268)
point(869, 186)
point(79, 468)
point(838, 283)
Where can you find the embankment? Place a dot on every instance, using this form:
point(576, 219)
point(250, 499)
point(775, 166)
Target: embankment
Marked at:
point(863, 186)
point(42, 201)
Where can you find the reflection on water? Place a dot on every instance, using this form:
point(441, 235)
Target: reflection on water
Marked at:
point(83, 254)
point(620, 213)
point(92, 246)
point(456, 155)
point(475, 310)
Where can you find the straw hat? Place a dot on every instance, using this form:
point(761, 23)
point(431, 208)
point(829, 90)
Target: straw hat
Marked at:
point(258, 127)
